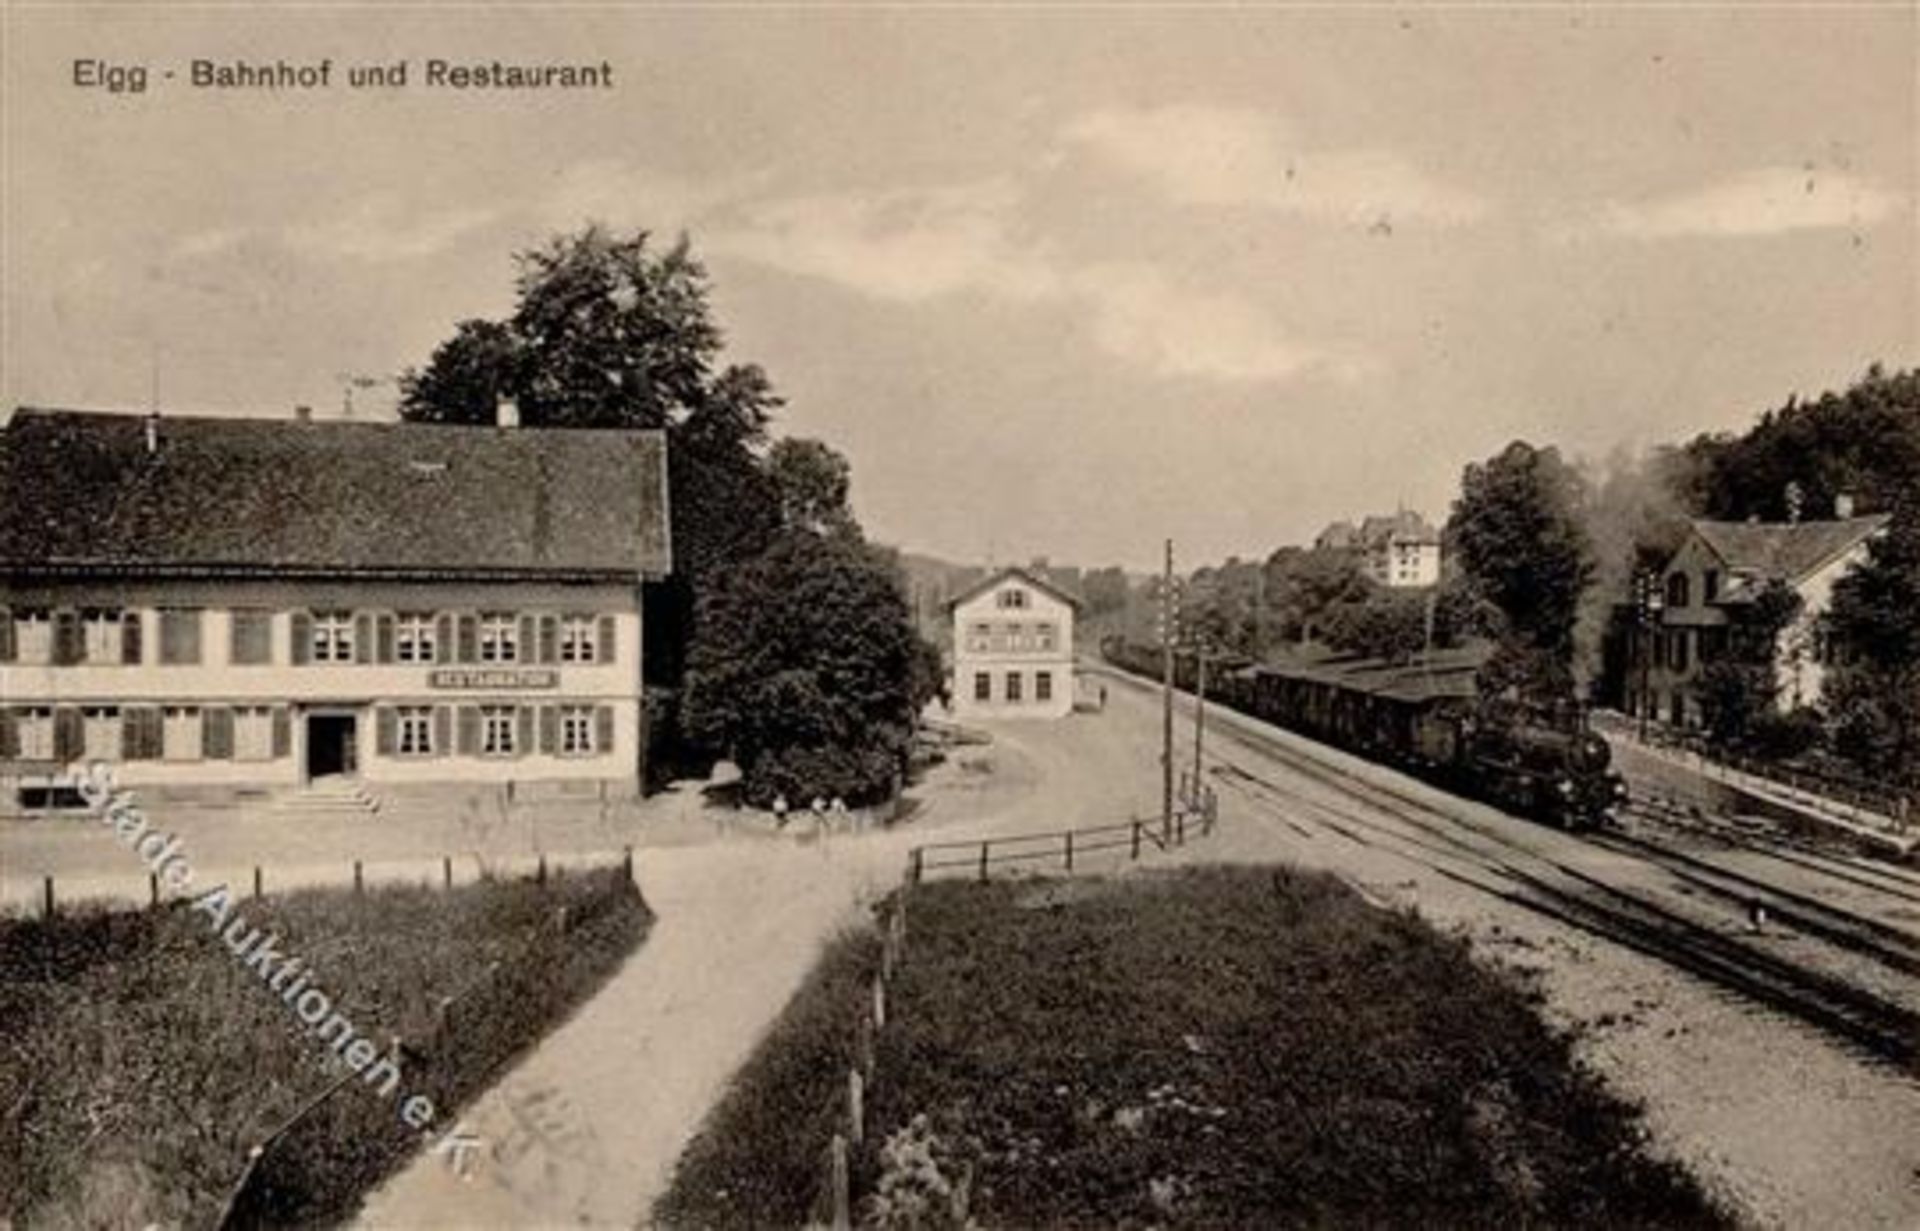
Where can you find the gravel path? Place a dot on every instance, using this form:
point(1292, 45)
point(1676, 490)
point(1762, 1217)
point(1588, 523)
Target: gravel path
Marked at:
point(585, 1129)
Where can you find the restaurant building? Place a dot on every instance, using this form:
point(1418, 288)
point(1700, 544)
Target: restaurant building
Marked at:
point(243, 603)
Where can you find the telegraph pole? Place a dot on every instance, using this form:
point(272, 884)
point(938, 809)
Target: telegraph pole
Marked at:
point(1168, 616)
point(1199, 710)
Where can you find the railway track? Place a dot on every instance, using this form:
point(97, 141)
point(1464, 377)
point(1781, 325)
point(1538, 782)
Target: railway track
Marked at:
point(1443, 842)
point(1876, 1027)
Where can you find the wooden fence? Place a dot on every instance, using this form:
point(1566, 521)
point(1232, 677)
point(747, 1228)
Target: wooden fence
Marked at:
point(1199, 811)
point(50, 899)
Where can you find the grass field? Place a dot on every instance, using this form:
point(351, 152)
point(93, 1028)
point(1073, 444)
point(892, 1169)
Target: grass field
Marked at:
point(1214, 1047)
point(140, 1061)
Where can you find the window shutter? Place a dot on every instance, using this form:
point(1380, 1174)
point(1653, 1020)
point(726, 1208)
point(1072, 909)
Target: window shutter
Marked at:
point(549, 729)
point(469, 638)
point(7, 651)
point(132, 625)
point(469, 731)
point(68, 645)
point(383, 637)
point(216, 733)
point(301, 623)
point(443, 640)
point(386, 725)
point(523, 735)
point(363, 638)
point(282, 732)
point(69, 735)
point(603, 644)
point(442, 730)
point(603, 729)
point(529, 636)
point(549, 639)
point(9, 737)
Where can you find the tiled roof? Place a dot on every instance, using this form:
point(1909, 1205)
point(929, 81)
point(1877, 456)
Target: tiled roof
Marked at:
point(1031, 578)
point(82, 492)
point(1782, 550)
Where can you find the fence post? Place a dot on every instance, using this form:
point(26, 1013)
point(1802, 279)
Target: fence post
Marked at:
point(842, 1213)
point(49, 897)
point(446, 871)
point(153, 889)
point(359, 880)
point(983, 859)
point(1069, 850)
point(256, 882)
point(540, 876)
point(918, 858)
point(626, 862)
point(879, 1004)
point(1136, 840)
point(856, 1106)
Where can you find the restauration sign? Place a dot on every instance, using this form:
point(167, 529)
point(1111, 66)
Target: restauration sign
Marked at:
point(493, 677)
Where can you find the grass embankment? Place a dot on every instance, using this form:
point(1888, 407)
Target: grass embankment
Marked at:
point(140, 1060)
point(1214, 1047)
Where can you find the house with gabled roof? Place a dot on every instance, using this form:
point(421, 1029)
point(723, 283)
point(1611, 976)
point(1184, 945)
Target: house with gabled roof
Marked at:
point(1723, 566)
point(1013, 647)
point(214, 602)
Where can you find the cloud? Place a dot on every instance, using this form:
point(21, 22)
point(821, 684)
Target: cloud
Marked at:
point(902, 246)
point(203, 244)
point(380, 229)
point(619, 194)
point(1769, 201)
point(1221, 156)
point(912, 246)
point(1138, 314)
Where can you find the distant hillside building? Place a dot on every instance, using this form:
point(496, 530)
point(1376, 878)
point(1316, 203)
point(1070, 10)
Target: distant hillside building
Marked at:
point(1721, 566)
point(1396, 550)
point(1013, 648)
point(250, 603)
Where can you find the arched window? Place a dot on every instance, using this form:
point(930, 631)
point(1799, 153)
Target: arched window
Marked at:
point(1678, 590)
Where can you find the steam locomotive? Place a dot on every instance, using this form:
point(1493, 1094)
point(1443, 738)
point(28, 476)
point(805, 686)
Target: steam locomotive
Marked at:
point(1426, 717)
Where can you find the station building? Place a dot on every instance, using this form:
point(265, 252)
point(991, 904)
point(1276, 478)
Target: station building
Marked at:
point(1013, 648)
point(257, 603)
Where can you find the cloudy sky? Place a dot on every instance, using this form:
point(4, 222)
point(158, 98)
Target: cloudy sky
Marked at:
point(1059, 282)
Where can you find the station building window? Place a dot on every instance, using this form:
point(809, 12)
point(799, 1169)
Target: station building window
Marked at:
point(499, 638)
point(578, 643)
point(333, 636)
point(497, 723)
point(414, 640)
point(982, 686)
point(1013, 687)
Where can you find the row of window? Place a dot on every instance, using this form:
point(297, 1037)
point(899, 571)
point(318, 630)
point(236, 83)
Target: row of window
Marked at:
point(98, 635)
point(988, 637)
point(264, 733)
point(1013, 687)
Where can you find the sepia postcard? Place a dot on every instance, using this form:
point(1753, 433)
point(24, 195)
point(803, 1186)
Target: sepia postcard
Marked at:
point(959, 615)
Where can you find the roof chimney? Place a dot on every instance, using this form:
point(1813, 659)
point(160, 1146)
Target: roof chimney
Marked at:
point(153, 432)
point(507, 413)
point(303, 414)
point(1843, 506)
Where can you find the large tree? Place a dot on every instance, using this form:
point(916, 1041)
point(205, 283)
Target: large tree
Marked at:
point(807, 670)
point(1517, 533)
point(1874, 695)
point(609, 331)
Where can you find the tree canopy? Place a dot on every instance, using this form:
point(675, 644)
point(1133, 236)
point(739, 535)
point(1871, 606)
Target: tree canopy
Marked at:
point(1873, 694)
point(807, 670)
point(1520, 541)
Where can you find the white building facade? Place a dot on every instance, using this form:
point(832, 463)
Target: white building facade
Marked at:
point(1721, 567)
point(1013, 648)
point(256, 604)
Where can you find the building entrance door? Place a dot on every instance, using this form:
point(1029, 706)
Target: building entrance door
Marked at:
point(332, 744)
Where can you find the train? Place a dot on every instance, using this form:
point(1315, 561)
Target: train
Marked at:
point(1425, 716)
